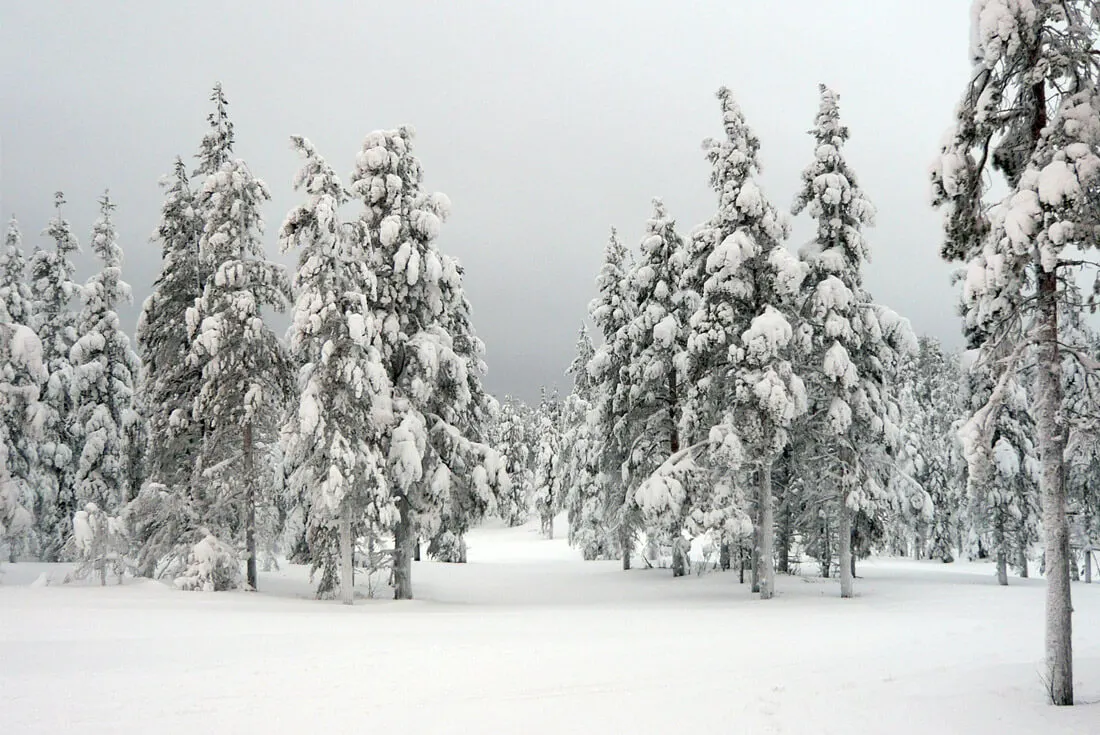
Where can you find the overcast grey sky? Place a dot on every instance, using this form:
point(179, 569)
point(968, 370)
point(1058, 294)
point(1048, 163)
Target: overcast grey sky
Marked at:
point(545, 122)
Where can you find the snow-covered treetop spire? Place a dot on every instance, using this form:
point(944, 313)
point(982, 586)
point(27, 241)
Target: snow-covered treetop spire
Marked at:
point(737, 153)
point(217, 144)
point(60, 230)
point(833, 197)
point(104, 237)
point(578, 369)
point(609, 310)
point(15, 294)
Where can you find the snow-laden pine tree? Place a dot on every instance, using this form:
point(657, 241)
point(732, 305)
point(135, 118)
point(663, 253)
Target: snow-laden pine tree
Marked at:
point(439, 472)
point(929, 501)
point(654, 336)
point(22, 373)
point(105, 370)
point(1003, 488)
point(171, 381)
point(246, 376)
point(332, 439)
point(1031, 112)
point(52, 291)
point(737, 362)
point(549, 473)
point(584, 501)
point(15, 292)
point(853, 346)
point(515, 442)
point(1081, 397)
point(15, 308)
point(611, 311)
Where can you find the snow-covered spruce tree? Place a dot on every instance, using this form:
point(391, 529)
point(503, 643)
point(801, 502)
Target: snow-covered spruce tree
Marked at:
point(52, 290)
point(514, 442)
point(15, 308)
point(549, 490)
point(440, 475)
point(611, 311)
point(105, 370)
point(584, 501)
point(167, 521)
point(1030, 112)
point(737, 367)
point(171, 381)
point(925, 489)
point(15, 292)
point(1003, 488)
point(654, 336)
point(246, 378)
point(853, 346)
point(22, 374)
point(333, 436)
point(1081, 396)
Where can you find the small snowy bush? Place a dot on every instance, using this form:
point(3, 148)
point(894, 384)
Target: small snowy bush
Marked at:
point(212, 566)
point(99, 543)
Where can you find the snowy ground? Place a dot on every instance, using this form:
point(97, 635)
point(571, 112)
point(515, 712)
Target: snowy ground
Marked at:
point(526, 638)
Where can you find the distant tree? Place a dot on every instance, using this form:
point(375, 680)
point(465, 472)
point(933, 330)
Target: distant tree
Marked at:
point(515, 441)
point(549, 490)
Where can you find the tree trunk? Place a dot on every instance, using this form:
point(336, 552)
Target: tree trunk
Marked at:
point(724, 556)
point(403, 541)
point(741, 562)
point(1059, 608)
point(416, 550)
point(767, 532)
point(853, 557)
point(783, 537)
point(756, 539)
point(844, 550)
point(999, 550)
point(627, 545)
point(679, 557)
point(1021, 563)
point(250, 503)
point(347, 582)
point(826, 551)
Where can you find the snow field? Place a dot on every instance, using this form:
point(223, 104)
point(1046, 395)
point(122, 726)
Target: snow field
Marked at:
point(528, 638)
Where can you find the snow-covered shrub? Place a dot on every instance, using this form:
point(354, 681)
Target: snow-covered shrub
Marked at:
point(212, 566)
point(99, 543)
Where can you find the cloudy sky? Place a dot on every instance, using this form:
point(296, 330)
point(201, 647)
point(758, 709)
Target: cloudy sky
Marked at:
point(545, 123)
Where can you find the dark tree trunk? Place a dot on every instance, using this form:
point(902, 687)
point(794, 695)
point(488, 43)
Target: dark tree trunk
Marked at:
point(626, 543)
point(403, 541)
point(250, 504)
point(724, 556)
point(416, 550)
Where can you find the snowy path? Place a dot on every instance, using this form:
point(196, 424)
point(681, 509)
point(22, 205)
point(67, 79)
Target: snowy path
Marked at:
point(543, 643)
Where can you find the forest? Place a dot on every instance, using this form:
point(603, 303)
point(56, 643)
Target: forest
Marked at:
point(732, 392)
